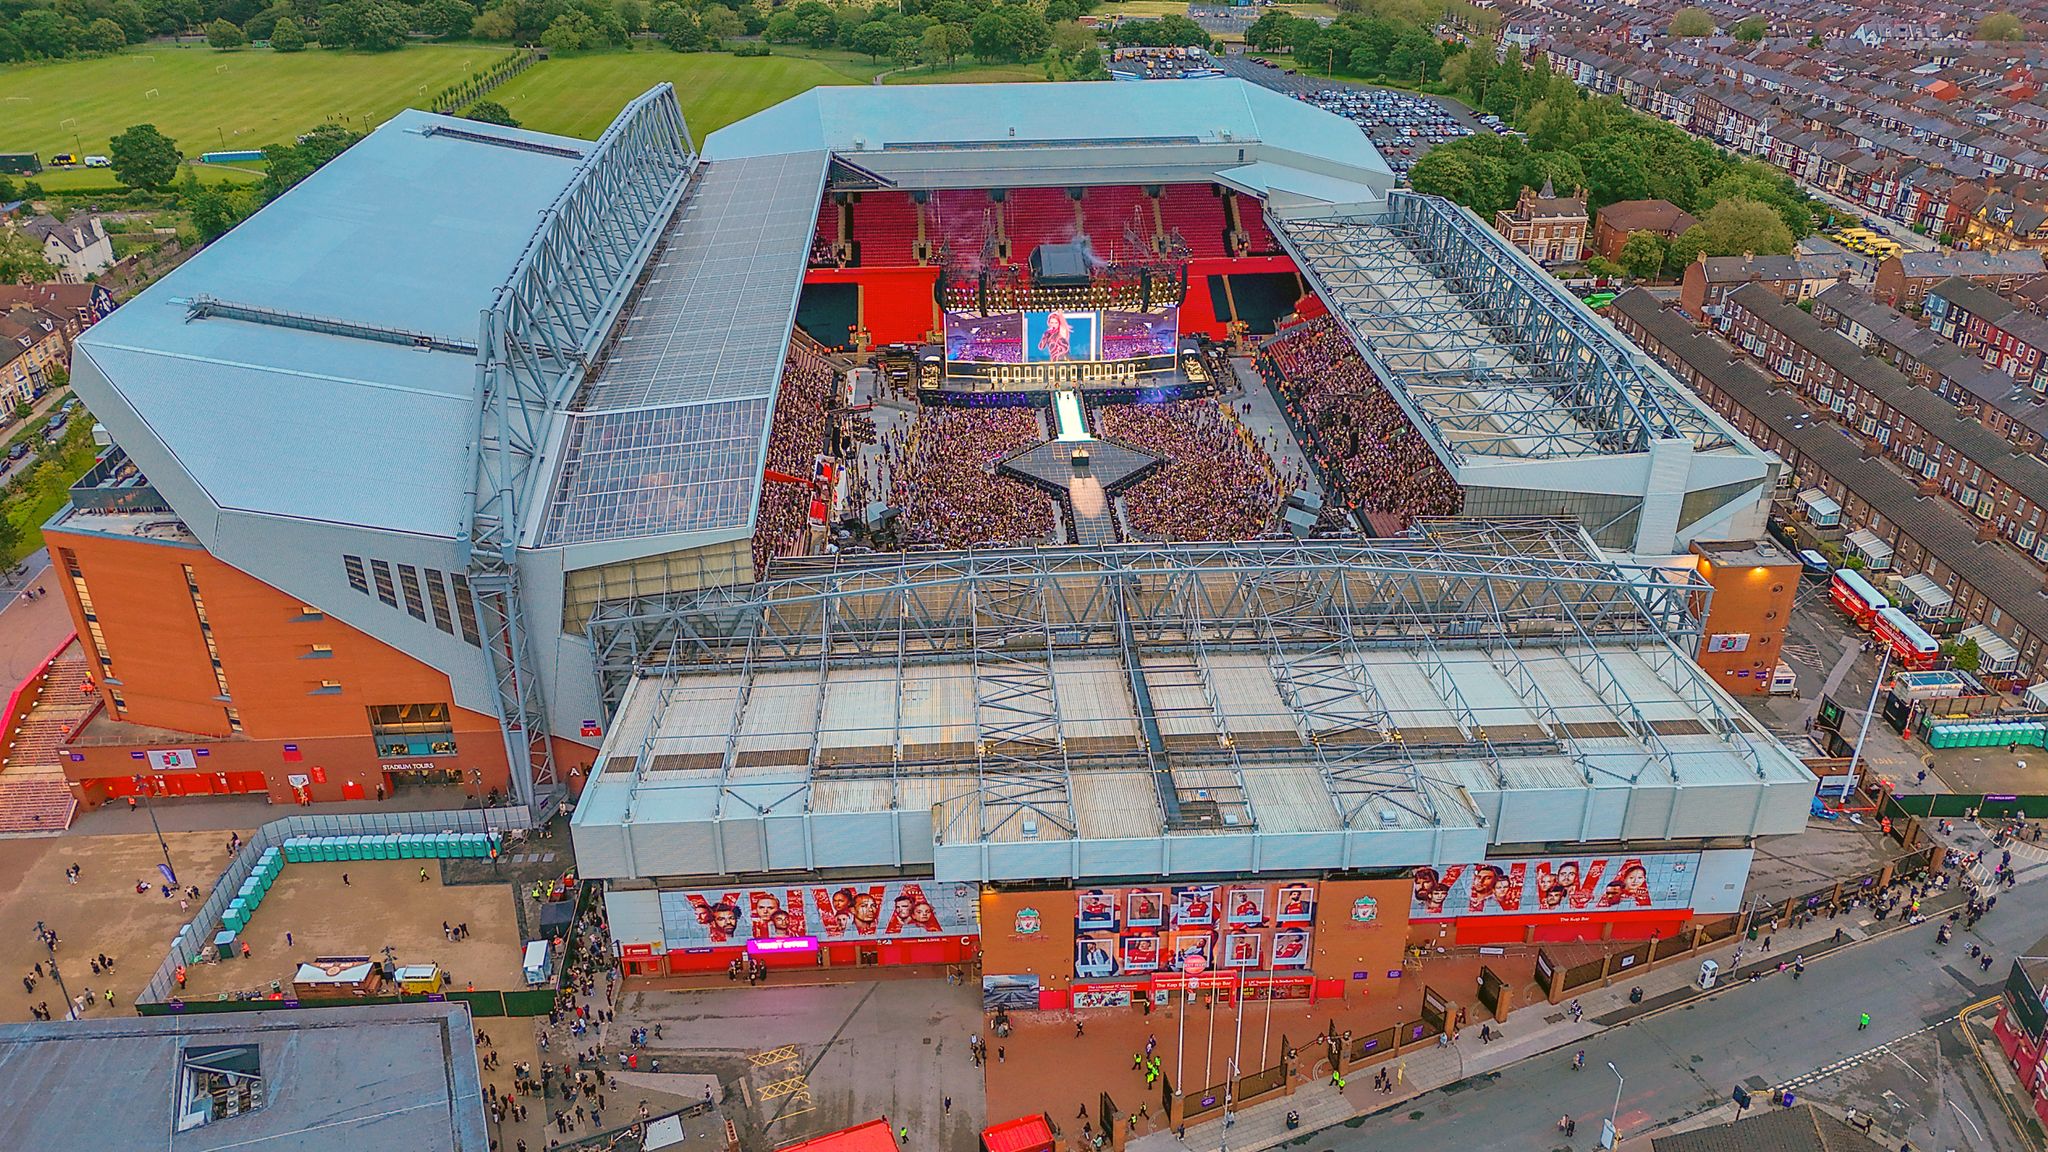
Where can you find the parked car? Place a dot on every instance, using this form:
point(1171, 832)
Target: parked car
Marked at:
point(98, 162)
point(19, 449)
point(63, 160)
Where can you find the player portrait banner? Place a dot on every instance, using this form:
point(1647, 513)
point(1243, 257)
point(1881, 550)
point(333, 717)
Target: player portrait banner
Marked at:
point(1193, 928)
point(1609, 882)
point(863, 910)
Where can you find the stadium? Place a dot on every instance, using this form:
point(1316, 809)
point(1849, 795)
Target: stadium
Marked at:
point(938, 487)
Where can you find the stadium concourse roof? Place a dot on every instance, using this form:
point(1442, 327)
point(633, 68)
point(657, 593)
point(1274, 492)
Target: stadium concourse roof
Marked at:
point(402, 240)
point(993, 135)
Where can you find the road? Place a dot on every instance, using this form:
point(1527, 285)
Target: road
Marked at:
point(1682, 1062)
point(38, 416)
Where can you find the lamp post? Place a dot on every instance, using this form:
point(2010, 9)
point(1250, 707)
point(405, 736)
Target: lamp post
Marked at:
point(1608, 1137)
point(1884, 664)
point(144, 785)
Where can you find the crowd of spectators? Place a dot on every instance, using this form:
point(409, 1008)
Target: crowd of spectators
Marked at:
point(1372, 460)
point(941, 472)
point(795, 437)
point(1217, 482)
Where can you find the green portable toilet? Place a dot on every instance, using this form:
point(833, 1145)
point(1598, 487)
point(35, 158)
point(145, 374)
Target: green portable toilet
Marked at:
point(479, 845)
point(330, 848)
point(384, 847)
point(295, 849)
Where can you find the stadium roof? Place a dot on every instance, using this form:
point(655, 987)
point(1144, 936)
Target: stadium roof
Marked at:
point(1022, 134)
point(671, 433)
point(330, 1080)
point(1431, 694)
point(306, 392)
point(1489, 356)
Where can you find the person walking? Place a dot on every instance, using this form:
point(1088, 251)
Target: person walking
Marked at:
point(1863, 1021)
point(344, 880)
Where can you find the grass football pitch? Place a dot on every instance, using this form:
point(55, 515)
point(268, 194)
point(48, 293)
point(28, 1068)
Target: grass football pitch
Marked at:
point(209, 101)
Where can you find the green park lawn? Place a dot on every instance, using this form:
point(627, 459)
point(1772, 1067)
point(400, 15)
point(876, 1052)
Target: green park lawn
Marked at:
point(579, 95)
point(207, 100)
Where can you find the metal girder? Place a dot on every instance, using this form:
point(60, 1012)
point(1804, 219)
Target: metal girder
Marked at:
point(1329, 682)
point(1020, 753)
point(1485, 353)
point(544, 328)
point(920, 605)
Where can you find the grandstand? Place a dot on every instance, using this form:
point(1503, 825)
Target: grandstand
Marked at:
point(1133, 711)
point(672, 394)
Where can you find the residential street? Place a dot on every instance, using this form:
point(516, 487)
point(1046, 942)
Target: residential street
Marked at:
point(1908, 1067)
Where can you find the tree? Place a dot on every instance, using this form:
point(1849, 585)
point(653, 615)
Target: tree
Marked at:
point(1735, 227)
point(1752, 29)
point(103, 35)
point(2001, 27)
point(287, 164)
point(21, 258)
point(490, 112)
point(632, 14)
point(495, 24)
point(144, 158)
point(444, 19)
point(874, 40)
point(1010, 33)
point(288, 36)
point(1968, 656)
point(212, 214)
point(10, 535)
point(945, 42)
point(721, 23)
point(571, 32)
point(1814, 41)
point(365, 25)
point(47, 33)
point(1692, 22)
point(1642, 255)
point(224, 35)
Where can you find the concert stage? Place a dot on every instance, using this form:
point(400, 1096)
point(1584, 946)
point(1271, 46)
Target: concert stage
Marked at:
point(1139, 380)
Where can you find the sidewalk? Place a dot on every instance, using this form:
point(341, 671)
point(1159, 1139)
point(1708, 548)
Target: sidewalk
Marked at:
point(1536, 1029)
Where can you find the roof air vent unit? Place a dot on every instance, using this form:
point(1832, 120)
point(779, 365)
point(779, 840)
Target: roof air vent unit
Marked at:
point(1030, 827)
point(1389, 817)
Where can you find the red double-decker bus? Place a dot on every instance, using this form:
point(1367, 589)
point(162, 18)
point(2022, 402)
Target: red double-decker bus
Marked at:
point(1855, 595)
point(1912, 648)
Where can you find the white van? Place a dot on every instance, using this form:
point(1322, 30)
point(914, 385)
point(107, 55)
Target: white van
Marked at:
point(1784, 682)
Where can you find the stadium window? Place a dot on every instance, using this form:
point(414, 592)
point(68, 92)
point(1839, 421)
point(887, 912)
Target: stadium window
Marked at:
point(402, 731)
point(409, 581)
point(326, 688)
point(465, 609)
point(319, 651)
point(386, 591)
point(234, 719)
point(354, 566)
point(437, 597)
point(307, 612)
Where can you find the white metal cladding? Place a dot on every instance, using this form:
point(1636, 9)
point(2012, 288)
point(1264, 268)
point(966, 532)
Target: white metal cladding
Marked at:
point(601, 850)
point(743, 850)
point(674, 849)
point(788, 839)
point(854, 840)
point(1530, 816)
point(634, 917)
point(1723, 873)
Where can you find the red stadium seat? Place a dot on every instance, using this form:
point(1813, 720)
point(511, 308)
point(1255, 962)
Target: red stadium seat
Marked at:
point(885, 229)
point(1195, 211)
